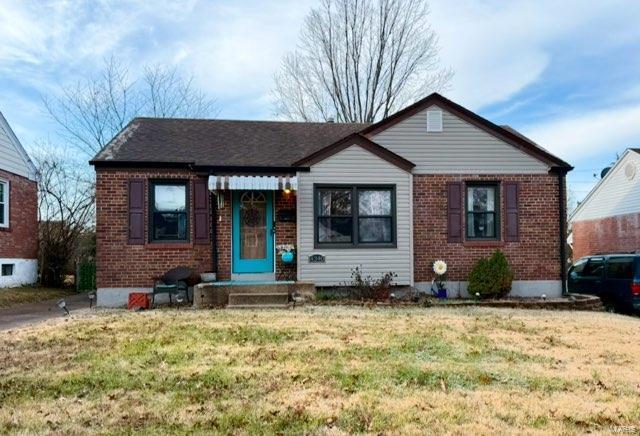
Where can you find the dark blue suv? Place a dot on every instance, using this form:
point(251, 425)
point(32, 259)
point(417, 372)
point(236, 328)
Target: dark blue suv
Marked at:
point(615, 278)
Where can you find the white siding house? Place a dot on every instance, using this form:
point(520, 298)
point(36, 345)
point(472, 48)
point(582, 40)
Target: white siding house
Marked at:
point(617, 193)
point(18, 206)
point(13, 157)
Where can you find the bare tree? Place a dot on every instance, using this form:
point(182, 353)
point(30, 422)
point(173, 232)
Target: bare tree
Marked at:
point(65, 208)
point(359, 61)
point(94, 110)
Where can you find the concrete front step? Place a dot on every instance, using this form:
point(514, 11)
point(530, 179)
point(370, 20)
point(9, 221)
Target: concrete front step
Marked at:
point(240, 293)
point(258, 298)
point(259, 306)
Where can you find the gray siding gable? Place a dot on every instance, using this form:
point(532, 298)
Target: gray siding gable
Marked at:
point(13, 157)
point(355, 165)
point(461, 148)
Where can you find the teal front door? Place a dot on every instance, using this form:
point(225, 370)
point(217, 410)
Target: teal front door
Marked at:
point(252, 232)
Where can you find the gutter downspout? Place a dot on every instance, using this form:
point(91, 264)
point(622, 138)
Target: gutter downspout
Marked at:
point(563, 228)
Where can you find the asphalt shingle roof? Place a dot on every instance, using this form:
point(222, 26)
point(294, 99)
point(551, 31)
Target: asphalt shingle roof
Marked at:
point(221, 142)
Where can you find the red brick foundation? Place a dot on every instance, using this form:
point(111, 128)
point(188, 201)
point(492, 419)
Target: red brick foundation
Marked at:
point(536, 256)
point(20, 239)
point(614, 234)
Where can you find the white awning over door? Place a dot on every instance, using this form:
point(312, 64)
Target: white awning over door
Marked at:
point(266, 183)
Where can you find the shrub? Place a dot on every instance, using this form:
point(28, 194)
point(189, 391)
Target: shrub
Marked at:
point(491, 277)
point(368, 288)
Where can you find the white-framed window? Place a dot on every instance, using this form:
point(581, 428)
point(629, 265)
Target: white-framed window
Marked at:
point(4, 203)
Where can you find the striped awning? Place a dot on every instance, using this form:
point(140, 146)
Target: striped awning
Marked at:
point(268, 183)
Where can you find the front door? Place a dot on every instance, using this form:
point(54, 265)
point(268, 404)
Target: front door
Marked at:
point(252, 232)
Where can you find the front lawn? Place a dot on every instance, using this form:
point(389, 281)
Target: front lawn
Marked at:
point(323, 369)
point(30, 294)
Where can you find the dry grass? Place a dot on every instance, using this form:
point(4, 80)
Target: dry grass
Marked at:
point(324, 370)
point(30, 294)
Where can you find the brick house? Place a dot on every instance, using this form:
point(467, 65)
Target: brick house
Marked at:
point(433, 181)
point(608, 219)
point(18, 212)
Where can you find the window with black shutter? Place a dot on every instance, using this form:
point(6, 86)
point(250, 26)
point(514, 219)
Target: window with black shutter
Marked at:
point(169, 211)
point(482, 207)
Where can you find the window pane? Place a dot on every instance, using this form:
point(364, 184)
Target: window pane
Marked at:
point(594, 268)
point(374, 230)
point(7, 269)
point(334, 229)
point(481, 199)
point(620, 268)
point(169, 226)
point(2, 189)
point(170, 198)
point(335, 202)
point(481, 225)
point(2, 214)
point(374, 202)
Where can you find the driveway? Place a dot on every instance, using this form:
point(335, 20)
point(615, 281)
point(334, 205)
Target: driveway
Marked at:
point(25, 314)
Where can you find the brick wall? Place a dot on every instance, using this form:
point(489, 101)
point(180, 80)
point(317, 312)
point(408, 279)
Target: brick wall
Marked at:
point(20, 240)
point(122, 265)
point(223, 231)
point(536, 256)
point(619, 233)
point(285, 232)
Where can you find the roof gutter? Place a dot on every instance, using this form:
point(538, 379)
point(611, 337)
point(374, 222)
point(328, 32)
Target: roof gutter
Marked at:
point(202, 168)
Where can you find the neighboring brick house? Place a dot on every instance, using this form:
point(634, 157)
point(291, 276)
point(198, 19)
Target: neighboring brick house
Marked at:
point(433, 181)
point(18, 212)
point(608, 219)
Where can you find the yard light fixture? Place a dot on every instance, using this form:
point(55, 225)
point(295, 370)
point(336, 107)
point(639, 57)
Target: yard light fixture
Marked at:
point(62, 305)
point(180, 298)
point(544, 296)
point(92, 297)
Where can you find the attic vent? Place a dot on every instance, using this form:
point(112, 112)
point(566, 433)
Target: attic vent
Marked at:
point(434, 121)
point(630, 170)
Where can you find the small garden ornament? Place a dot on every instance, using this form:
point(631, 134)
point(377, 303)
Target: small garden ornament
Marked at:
point(440, 268)
point(286, 252)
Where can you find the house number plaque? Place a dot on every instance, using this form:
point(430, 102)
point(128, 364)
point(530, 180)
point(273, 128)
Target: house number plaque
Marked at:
point(316, 258)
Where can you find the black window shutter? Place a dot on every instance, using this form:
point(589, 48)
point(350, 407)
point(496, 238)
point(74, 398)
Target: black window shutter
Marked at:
point(512, 228)
point(454, 212)
point(136, 212)
point(201, 211)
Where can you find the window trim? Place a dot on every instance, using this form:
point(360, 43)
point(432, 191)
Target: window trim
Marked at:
point(355, 243)
point(5, 219)
point(498, 210)
point(10, 266)
point(151, 209)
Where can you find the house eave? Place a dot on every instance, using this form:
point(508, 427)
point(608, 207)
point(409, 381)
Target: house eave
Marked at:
point(197, 167)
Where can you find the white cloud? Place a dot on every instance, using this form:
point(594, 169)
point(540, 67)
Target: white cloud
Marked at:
point(498, 48)
point(590, 134)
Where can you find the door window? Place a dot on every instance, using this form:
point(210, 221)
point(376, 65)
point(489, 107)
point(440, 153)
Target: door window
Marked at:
point(594, 267)
point(253, 226)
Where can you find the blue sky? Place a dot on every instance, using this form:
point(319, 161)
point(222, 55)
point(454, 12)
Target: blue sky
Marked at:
point(566, 73)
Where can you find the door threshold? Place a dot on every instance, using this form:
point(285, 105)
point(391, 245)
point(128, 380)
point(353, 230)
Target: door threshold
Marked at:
point(254, 277)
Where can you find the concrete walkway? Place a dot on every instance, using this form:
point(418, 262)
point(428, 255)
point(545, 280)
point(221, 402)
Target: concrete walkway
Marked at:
point(26, 314)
